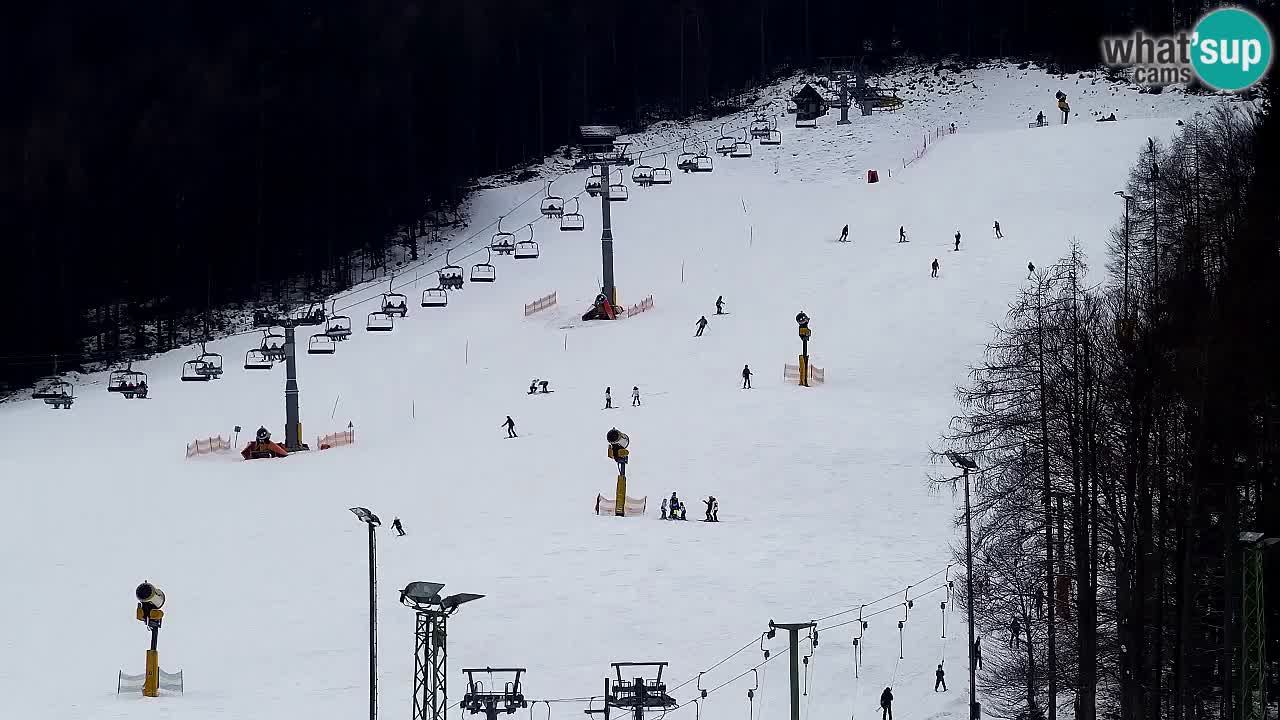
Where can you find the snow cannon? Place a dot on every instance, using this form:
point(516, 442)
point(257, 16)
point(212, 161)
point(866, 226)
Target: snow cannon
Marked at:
point(150, 600)
point(618, 452)
point(802, 320)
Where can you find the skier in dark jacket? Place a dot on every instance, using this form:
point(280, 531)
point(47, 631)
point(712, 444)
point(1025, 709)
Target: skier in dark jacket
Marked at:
point(844, 234)
point(510, 425)
point(710, 502)
point(608, 398)
point(886, 704)
point(902, 233)
point(940, 678)
point(1031, 268)
point(720, 305)
point(746, 377)
point(997, 228)
point(935, 268)
point(395, 525)
point(957, 241)
point(702, 325)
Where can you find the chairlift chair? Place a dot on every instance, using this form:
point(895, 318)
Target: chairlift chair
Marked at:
point(641, 174)
point(774, 137)
point(212, 362)
point(193, 371)
point(527, 249)
point(725, 143)
point(451, 276)
point(742, 148)
point(594, 182)
point(379, 322)
point(262, 317)
point(484, 272)
point(272, 344)
point(662, 175)
point(552, 205)
point(618, 191)
point(686, 161)
point(435, 297)
point(760, 127)
point(703, 162)
point(394, 303)
point(338, 327)
point(572, 221)
point(503, 241)
point(58, 394)
point(128, 382)
point(321, 344)
point(258, 360)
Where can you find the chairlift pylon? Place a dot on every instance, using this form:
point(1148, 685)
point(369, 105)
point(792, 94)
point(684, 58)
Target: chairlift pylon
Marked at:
point(572, 221)
point(552, 205)
point(503, 242)
point(527, 249)
point(662, 175)
point(484, 272)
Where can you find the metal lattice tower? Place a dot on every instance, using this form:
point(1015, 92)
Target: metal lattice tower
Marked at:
point(635, 695)
point(1253, 705)
point(430, 658)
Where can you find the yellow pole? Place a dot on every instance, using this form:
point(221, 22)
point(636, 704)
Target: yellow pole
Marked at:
point(804, 371)
point(620, 502)
point(151, 685)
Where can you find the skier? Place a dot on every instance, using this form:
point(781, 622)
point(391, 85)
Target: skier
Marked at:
point(1015, 630)
point(1040, 118)
point(710, 502)
point(715, 510)
point(608, 399)
point(395, 525)
point(935, 268)
point(510, 425)
point(957, 241)
point(939, 678)
point(664, 508)
point(998, 233)
point(533, 386)
point(1031, 268)
point(746, 377)
point(543, 385)
point(844, 234)
point(635, 396)
point(702, 325)
point(977, 651)
point(720, 305)
point(902, 233)
point(676, 511)
point(886, 704)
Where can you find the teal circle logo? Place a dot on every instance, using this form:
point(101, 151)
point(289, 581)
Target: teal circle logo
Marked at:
point(1231, 49)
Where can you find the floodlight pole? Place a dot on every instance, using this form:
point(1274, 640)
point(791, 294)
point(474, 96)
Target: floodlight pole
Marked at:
point(372, 521)
point(606, 236)
point(430, 658)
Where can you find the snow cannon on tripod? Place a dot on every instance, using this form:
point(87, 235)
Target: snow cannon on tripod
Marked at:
point(618, 452)
point(802, 320)
point(150, 601)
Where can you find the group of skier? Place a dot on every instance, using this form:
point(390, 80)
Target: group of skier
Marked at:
point(673, 509)
point(608, 397)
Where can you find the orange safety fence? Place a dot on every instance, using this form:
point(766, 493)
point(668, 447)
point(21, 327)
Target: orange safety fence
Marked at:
point(207, 446)
point(642, 306)
point(338, 439)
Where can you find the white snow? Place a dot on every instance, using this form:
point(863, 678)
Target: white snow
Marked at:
point(822, 490)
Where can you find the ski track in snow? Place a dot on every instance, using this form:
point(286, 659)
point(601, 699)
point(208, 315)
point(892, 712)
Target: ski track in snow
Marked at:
point(823, 498)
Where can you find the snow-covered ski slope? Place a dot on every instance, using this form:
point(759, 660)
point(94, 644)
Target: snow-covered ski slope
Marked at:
point(823, 500)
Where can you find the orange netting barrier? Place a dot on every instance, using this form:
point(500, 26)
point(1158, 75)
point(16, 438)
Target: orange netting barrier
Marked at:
point(540, 304)
point(645, 304)
point(338, 439)
point(207, 446)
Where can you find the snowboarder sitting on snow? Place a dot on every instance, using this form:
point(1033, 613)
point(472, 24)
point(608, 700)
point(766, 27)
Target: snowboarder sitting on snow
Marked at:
point(702, 325)
point(720, 305)
point(533, 386)
point(886, 704)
